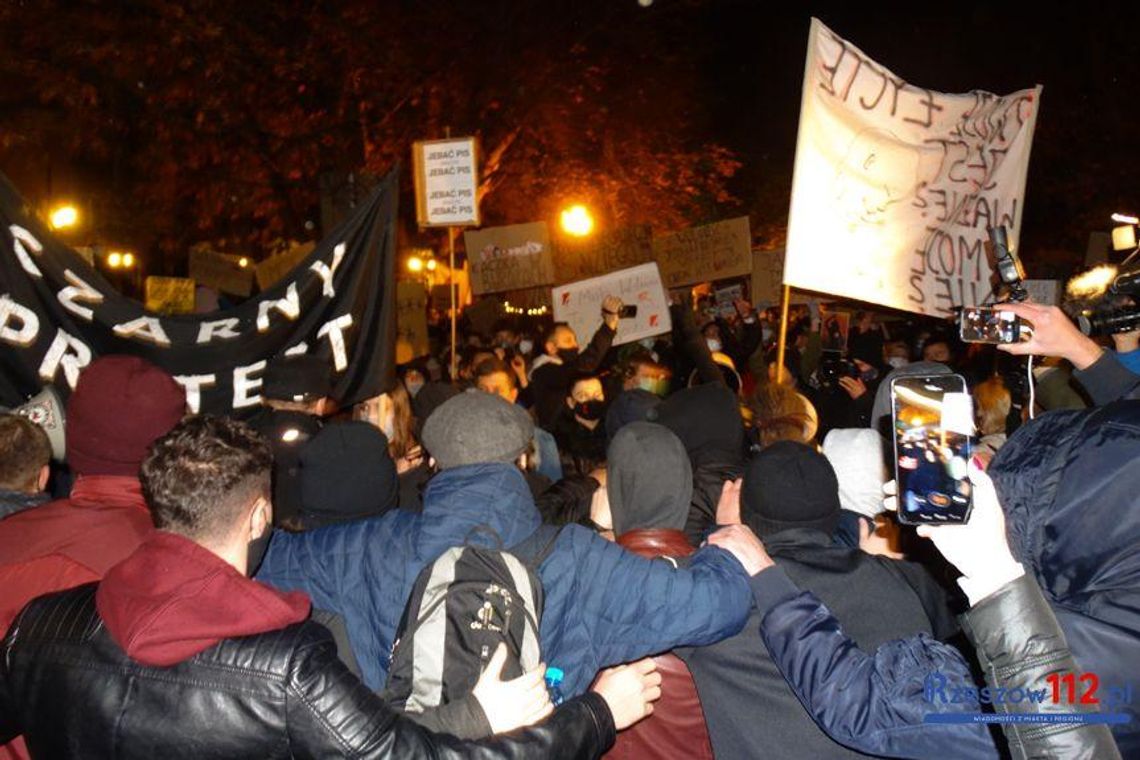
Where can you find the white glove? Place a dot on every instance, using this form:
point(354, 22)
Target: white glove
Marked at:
point(979, 549)
point(512, 704)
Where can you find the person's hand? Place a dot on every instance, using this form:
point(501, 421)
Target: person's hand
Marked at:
point(854, 386)
point(742, 543)
point(512, 704)
point(518, 364)
point(630, 691)
point(1126, 341)
point(611, 310)
point(979, 548)
point(1054, 334)
point(728, 508)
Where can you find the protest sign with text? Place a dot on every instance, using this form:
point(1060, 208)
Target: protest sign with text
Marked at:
point(579, 304)
point(447, 181)
point(895, 185)
point(607, 251)
point(170, 295)
point(715, 251)
point(509, 258)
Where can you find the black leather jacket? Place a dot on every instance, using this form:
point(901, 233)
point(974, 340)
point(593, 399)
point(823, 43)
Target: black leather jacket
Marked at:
point(69, 688)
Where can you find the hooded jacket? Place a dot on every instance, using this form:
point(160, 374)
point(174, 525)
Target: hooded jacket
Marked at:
point(603, 605)
point(1068, 483)
point(649, 480)
point(707, 420)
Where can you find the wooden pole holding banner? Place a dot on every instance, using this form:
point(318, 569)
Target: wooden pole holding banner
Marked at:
point(782, 342)
point(454, 306)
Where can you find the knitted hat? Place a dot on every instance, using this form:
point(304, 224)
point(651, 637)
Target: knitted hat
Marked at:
point(298, 378)
point(346, 473)
point(789, 485)
point(477, 428)
point(856, 454)
point(629, 406)
point(120, 405)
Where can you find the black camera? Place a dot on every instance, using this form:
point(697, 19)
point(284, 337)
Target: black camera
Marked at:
point(831, 369)
point(1007, 265)
point(1106, 310)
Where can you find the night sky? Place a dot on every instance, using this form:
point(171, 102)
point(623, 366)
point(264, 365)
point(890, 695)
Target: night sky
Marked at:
point(746, 62)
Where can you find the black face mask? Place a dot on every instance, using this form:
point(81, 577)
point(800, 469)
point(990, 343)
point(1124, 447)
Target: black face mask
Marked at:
point(255, 552)
point(590, 411)
point(567, 355)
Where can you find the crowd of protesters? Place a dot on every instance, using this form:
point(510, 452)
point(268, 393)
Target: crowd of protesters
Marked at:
point(721, 571)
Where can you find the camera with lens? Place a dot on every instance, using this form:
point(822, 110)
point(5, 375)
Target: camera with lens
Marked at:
point(832, 368)
point(1007, 266)
point(1103, 301)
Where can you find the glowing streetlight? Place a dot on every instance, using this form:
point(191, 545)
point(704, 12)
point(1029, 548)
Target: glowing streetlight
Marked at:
point(64, 216)
point(431, 265)
point(128, 260)
point(114, 259)
point(415, 264)
point(577, 221)
point(243, 262)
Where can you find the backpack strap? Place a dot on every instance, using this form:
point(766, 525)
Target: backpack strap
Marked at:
point(533, 550)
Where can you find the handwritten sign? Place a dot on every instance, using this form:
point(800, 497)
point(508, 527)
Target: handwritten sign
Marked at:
point(895, 185)
point(221, 272)
point(605, 252)
point(700, 254)
point(509, 258)
point(767, 277)
point(411, 317)
point(580, 304)
point(170, 295)
point(447, 181)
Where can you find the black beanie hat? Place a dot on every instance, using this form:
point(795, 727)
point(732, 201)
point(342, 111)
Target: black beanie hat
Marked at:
point(789, 485)
point(346, 473)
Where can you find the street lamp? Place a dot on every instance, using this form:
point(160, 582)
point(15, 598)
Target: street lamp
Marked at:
point(577, 221)
point(128, 260)
point(415, 264)
point(114, 259)
point(64, 216)
point(243, 262)
point(431, 265)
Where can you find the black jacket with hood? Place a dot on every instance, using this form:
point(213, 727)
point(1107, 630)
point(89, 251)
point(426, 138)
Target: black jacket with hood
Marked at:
point(1068, 482)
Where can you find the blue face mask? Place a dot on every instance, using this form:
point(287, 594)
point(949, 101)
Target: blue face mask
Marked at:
point(655, 385)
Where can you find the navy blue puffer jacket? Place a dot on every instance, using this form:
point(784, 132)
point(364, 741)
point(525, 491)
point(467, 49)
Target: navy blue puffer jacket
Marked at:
point(1070, 486)
point(604, 605)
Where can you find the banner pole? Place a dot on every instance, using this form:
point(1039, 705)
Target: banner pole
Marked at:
point(782, 343)
point(454, 306)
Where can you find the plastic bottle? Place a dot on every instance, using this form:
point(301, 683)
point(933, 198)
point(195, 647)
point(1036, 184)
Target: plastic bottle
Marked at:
point(554, 678)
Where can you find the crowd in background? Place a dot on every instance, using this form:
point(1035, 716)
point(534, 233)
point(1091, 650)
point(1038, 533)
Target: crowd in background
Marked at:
point(724, 575)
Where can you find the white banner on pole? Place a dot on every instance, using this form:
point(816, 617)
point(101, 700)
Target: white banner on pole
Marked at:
point(895, 185)
point(579, 304)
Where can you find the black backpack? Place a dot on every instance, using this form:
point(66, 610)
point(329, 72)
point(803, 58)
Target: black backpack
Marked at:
point(461, 607)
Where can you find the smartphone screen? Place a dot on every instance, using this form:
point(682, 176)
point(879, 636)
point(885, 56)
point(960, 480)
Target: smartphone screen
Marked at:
point(933, 423)
point(981, 324)
point(629, 311)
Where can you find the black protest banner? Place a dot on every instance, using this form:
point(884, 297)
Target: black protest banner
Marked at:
point(57, 314)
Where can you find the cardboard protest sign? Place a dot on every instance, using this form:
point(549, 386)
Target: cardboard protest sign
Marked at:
point(170, 295)
point(726, 299)
point(221, 272)
point(604, 252)
point(895, 185)
point(276, 268)
point(411, 317)
point(580, 304)
point(767, 277)
point(509, 258)
point(447, 182)
point(700, 254)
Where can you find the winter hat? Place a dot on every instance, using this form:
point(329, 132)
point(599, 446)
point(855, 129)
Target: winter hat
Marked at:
point(707, 420)
point(856, 454)
point(648, 478)
point(120, 406)
point(477, 428)
point(297, 378)
point(789, 485)
point(346, 473)
point(630, 406)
